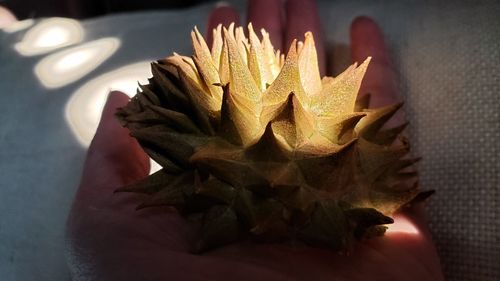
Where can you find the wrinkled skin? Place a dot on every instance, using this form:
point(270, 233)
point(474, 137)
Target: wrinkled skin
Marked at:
point(109, 240)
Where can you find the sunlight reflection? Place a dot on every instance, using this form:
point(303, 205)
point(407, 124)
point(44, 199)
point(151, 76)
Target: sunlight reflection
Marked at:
point(402, 224)
point(67, 66)
point(18, 26)
point(84, 108)
point(48, 35)
point(155, 167)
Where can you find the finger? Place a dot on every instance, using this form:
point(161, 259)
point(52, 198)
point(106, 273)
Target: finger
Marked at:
point(6, 17)
point(302, 16)
point(222, 14)
point(267, 14)
point(381, 82)
point(380, 79)
point(114, 158)
point(98, 215)
point(412, 252)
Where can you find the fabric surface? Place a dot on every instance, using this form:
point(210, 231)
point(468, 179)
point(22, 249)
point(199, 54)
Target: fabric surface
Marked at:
point(446, 54)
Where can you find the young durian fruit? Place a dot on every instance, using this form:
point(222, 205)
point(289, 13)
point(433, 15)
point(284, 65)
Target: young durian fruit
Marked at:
point(256, 145)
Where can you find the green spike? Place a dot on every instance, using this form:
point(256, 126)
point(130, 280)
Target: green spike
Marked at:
point(327, 227)
point(152, 184)
point(167, 89)
point(178, 147)
point(389, 136)
point(363, 102)
point(179, 121)
point(173, 194)
point(254, 145)
point(219, 228)
point(370, 125)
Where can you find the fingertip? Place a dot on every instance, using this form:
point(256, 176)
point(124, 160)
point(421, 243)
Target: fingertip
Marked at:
point(112, 144)
point(109, 128)
point(267, 14)
point(380, 79)
point(114, 101)
point(302, 16)
point(117, 97)
point(224, 14)
point(367, 40)
point(362, 21)
point(6, 17)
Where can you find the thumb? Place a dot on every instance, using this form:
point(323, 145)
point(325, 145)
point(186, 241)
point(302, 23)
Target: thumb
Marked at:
point(114, 158)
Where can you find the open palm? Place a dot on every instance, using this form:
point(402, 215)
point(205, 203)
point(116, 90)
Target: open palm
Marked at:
point(109, 240)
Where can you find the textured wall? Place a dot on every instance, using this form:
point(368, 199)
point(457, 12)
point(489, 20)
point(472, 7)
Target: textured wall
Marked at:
point(447, 56)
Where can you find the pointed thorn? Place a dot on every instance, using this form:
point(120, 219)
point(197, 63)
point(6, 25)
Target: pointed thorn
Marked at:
point(421, 197)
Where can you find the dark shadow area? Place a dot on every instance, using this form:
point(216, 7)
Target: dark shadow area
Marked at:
point(88, 8)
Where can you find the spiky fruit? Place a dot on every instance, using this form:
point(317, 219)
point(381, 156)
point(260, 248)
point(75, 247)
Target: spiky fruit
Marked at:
point(256, 145)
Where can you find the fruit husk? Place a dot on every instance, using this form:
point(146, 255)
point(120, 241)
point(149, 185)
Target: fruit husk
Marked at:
point(254, 145)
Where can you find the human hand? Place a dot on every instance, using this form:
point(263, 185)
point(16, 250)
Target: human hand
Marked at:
point(109, 240)
point(6, 17)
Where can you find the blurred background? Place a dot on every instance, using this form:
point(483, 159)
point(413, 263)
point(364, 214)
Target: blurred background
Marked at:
point(88, 8)
point(59, 62)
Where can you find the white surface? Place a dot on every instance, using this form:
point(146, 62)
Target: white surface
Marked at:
point(446, 56)
point(44, 130)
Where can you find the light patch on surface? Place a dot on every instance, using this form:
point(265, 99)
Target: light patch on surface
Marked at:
point(49, 35)
point(18, 26)
point(154, 167)
point(84, 108)
point(402, 225)
point(67, 66)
